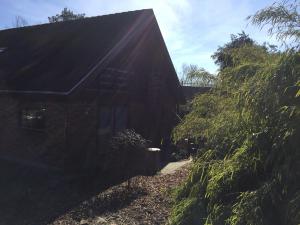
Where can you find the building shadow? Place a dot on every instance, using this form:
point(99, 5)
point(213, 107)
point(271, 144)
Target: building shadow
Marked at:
point(35, 196)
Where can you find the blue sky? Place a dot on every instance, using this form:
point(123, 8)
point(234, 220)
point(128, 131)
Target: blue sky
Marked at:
point(192, 29)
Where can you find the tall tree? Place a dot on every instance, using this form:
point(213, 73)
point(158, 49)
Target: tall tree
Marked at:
point(248, 167)
point(247, 171)
point(223, 56)
point(283, 19)
point(65, 15)
point(19, 21)
point(194, 75)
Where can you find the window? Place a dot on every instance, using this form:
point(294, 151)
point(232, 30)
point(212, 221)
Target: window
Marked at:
point(32, 118)
point(105, 120)
point(2, 49)
point(112, 119)
point(120, 120)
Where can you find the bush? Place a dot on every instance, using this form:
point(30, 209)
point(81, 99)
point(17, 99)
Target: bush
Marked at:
point(179, 154)
point(126, 153)
point(248, 169)
point(128, 141)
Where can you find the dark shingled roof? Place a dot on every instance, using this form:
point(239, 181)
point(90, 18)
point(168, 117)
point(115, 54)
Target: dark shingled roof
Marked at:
point(56, 57)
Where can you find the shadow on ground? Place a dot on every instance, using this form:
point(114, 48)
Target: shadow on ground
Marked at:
point(30, 196)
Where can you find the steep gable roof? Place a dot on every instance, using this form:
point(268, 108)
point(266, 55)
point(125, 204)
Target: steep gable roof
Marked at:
point(56, 58)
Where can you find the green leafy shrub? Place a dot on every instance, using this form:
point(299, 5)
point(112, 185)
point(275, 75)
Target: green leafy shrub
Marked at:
point(179, 154)
point(248, 170)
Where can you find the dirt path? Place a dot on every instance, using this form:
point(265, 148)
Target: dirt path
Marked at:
point(174, 166)
point(147, 202)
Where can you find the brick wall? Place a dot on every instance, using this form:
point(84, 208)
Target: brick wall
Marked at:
point(36, 147)
point(82, 134)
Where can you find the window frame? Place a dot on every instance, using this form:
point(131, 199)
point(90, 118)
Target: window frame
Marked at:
point(111, 128)
point(39, 125)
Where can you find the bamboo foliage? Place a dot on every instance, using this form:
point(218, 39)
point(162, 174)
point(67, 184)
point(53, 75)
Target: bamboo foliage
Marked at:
point(248, 170)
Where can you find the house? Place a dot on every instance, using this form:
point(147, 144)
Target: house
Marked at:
point(67, 87)
point(191, 91)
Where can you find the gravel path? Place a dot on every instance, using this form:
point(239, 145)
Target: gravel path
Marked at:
point(31, 196)
point(147, 202)
point(174, 166)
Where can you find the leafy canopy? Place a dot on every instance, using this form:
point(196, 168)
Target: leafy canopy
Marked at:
point(249, 166)
point(282, 18)
point(194, 75)
point(248, 170)
point(223, 57)
point(65, 15)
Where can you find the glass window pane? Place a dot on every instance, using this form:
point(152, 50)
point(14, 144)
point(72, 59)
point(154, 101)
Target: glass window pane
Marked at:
point(105, 119)
point(32, 118)
point(121, 113)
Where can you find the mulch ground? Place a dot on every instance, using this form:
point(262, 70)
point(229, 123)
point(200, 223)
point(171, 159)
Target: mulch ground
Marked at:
point(148, 201)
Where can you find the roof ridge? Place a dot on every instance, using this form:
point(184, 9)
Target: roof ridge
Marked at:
point(123, 12)
point(82, 19)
